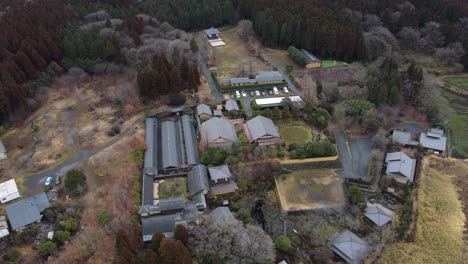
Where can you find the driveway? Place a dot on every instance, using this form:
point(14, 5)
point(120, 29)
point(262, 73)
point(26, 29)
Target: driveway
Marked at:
point(354, 155)
point(411, 127)
point(35, 182)
point(218, 97)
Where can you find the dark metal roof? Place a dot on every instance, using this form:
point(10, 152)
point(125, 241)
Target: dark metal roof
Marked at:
point(190, 140)
point(197, 180)
point(27, 211)
point(171, 153)
point(151, 143)
point(310, 57)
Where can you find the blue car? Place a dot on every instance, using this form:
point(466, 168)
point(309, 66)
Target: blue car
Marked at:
point(48, 181)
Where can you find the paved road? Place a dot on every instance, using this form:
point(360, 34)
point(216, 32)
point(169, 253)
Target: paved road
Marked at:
point(218, 97)
point(355, 160)
point(35, 182)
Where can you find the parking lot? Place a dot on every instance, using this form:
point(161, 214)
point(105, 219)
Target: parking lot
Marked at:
point(247, 95)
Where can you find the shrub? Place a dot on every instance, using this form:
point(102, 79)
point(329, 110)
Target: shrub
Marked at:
point(115, 130)
point(181, 234)
point(12, 256)
point(355, 194)
point(75, 181)
point(255, 106)
point(242, 139)
point(47, 248)
point(214, 157)
point(104, 217)
point(283, 244)
point(176, 99)
point(69, 224)
point(297, 56)
point(234, 207)
point(61, 236)
point(244, 215)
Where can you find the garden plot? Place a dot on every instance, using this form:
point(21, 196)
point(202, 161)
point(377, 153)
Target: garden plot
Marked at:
point(310, 189)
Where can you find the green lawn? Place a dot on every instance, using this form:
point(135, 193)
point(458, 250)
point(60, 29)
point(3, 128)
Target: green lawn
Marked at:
point(459, 134)
point(171, 188)
point(329, 63)
point(460, 82)
point(456, 102)
point(296, 134)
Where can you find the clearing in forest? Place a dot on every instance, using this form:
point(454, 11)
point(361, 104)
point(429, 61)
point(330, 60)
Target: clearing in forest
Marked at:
point(310, 189)
point(332, 63)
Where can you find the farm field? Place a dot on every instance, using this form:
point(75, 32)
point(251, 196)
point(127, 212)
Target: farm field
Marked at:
point(459, 134)
point(295, 135)
point(331, 63)
point(460, 82)
point(310, 189)
point(438, 205)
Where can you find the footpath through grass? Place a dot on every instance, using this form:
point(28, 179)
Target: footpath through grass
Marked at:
point(332, 63)
point(459, 134)
point(460, 82)
point(296, 134)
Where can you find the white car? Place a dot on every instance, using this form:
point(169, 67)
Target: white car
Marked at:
point(257, 93)
point(275, 90)
point(244, 94)
point(237, 94)
point(48, 181)
point(285, 90)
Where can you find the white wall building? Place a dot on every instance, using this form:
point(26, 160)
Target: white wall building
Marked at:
point(9, 191)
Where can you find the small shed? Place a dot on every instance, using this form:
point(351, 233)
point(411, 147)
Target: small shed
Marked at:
point(231, 106)
point(8, 191)
point(378, 214)
point(312, 61)
point(204, 112)
point(212, 33)
point(349, 247)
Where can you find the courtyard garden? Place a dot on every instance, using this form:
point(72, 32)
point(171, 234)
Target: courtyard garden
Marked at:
point(171, 188)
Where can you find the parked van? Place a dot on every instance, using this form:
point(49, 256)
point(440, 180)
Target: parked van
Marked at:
point(238, 94)
point(275, 90)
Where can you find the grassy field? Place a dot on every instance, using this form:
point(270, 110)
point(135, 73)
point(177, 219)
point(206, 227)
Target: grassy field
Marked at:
point(459, 134)
point(296, 134)
point(310, 189)
point(439, 234)
point(171, 188)
point(456, 102)
point(233, 56)
point(460, 82)
point(329, 63)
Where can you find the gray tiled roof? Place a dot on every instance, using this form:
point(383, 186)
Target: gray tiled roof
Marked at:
point(171, 204)
point(400, 165)
point(171, 152)
point(218, 128)
point(401, 137)
point(222, 215)
point(260, 126)
point(231, 105)
point(27, 211)
point(239, 80)
point(270, 76)
point(219, 172)
point(350, 247)
point(151, 143)
point(211, 31)
point(310, 57)
point(197, 180)
point(204, 109)
point(158, 223)
point(378, 214)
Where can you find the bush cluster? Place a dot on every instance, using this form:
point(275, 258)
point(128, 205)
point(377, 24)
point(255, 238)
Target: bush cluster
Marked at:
point(312, 150)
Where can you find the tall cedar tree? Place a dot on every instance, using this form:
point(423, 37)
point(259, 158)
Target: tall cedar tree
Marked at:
point(174, 252)
point(182, 234)
point(26, 65)
point(125, 251)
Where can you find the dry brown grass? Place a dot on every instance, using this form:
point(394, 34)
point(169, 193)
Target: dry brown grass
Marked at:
point(440, 222)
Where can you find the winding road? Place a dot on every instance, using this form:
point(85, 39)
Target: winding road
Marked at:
point(35, 182)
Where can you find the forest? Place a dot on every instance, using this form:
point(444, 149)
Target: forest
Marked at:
point(40, 39)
